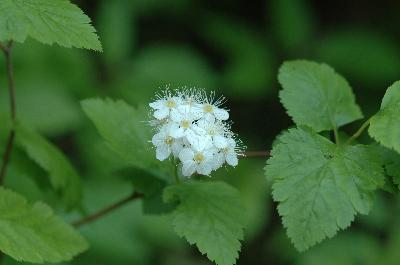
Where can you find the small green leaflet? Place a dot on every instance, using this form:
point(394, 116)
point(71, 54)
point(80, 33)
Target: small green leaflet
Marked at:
point(321, 186)
point(385, 125)
point(63, 176)
point(32, 233)
point(315, 95)
point(210, 215)
point(48, 21)
point(125, 130)
point(391, 162)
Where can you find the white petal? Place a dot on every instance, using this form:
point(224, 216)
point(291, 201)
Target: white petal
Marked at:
point(163, 152)
point(177, 132)
point(204, 168)
point(221, 114)
point(188, 168)
point(177, 147)
point(218, 161)
point(161, 113)
point(231, 159)
point(197, 112)
point(158, 139)
point(176, 115)
point(220, 141)
point(186, 155)
point(158, 104)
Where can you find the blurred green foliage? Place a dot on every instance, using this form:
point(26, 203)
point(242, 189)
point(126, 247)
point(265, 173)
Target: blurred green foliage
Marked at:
point(232, 47)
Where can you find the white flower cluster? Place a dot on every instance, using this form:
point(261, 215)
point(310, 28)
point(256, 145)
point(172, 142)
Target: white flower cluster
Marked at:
point(192, 127)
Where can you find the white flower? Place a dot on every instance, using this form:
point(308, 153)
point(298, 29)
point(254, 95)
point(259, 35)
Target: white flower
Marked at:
point(192, 127)
point(163, 106)
point(216, 130)
point(210, 108)
point(166, 143)
point(198, 158)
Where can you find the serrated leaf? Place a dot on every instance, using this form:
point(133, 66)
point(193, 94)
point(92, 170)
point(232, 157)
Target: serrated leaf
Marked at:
point(48, 21)
point(32, 233)
point(210, 215)
point(320, 186)
point(385, 125)
point(315, 95)
point(125, 130)
point(391, 162)
point(63, 176)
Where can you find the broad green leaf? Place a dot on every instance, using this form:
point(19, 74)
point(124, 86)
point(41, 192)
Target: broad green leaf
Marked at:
point(48, 21)
point(33, 233)
point(385, 125)
point(63, 176)
point(320, 186)
point(125, 130)
point(210, 215)
point(315, 95)
point(391, 162)
point(123, 127)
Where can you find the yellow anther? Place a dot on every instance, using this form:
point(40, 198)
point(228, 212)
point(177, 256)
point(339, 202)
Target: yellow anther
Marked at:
point(208, 108)
point(169, 140)
point(170, 103)
point(185, 124)
point(198, 157)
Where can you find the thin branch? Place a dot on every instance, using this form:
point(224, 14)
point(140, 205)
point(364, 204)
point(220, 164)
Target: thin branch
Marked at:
point(359, 131)
point(257, 154)
point(11, 90)
point(107, 210)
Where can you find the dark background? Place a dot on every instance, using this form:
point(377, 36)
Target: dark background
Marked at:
point(234, 48)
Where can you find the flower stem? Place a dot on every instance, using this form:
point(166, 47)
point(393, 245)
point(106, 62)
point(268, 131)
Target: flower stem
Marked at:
point(359, 131)
point(336, 135)
point(7, 50)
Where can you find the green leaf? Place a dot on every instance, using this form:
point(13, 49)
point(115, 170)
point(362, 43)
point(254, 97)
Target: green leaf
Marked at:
point(210, 215)
point(48, 21)
point(391, 162)
point(124, 128)
point(33, 233)
point(315, 95)
point(385, 125)
point(321, 186)
point(63, 176)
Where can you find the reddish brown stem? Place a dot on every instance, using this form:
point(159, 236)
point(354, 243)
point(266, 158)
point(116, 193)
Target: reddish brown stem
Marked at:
point(11, 90)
